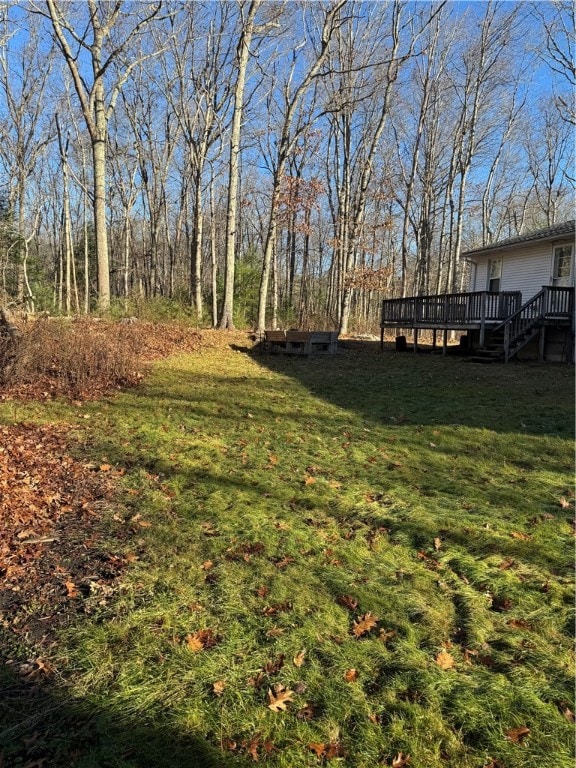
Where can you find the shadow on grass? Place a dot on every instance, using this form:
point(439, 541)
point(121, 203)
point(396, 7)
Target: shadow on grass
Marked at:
point(429, 389)
point(42, 727)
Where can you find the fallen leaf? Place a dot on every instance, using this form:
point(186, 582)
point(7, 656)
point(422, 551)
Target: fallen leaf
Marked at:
point(364, 625)
point(105, 467)
point(258, 680)
point(194, 643)
point(273, 667)
point(279, 699)
point(283, 562)
point(252, 746)
point(351, 675)
point(309, 480)
point(206, 565)
point(71, 588)
point(401, 760)
point(444, 659)
point(517, 735)
point(520, 535)
point(437, 543)
point(271, 610)
point(204, 638)
point(334, 749)
point(218, 687)
point(564, 503)
point(349, 602)
point(318, 748)
point(262, 591)
point(299, 658)
point(518, 624)
point(35, 669)
point(229, 744)
point(208, 529)
point(306, 713)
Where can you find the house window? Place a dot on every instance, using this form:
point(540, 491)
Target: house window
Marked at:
point(494, 275)
point(562, 268)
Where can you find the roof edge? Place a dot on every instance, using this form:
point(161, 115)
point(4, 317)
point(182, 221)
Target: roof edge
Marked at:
point(560, 231)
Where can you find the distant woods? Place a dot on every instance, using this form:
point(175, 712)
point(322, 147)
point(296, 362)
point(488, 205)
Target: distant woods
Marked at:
point(273, 163)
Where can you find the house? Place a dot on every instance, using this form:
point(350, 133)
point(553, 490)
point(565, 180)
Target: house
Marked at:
point(520, 300)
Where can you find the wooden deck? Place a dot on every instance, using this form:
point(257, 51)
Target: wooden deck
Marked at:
point(451, 311)
point(482, 310)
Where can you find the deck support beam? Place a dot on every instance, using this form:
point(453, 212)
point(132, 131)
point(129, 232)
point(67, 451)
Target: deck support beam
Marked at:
point(415, 340)
point(445, 341)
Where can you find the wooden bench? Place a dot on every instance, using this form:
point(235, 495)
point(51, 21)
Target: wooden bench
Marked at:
point(298, 342)
point(274, 341)
point(324, 342)
point(301, 342)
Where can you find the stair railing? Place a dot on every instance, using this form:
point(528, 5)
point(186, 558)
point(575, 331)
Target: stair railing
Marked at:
point(518, 325)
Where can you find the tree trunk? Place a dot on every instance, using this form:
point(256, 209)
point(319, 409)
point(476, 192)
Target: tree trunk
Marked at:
point(227, 318)
point(99, 166)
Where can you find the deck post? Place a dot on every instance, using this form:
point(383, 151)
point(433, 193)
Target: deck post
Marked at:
point(382, 338)
point(434, 339)
point(415, 340)
point(482, 320)
point(542, 345)
point(445, 341)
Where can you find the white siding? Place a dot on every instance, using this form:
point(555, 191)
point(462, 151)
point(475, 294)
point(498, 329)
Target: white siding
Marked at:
point(526, 268)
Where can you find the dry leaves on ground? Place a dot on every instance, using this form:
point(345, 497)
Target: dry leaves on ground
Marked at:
point(52, 551)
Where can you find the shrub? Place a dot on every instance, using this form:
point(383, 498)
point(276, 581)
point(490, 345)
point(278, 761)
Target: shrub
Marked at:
point(77, 358)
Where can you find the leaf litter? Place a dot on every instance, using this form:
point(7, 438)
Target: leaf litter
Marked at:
point(54, 560)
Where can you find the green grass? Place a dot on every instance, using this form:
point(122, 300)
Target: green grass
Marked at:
point(426, 489)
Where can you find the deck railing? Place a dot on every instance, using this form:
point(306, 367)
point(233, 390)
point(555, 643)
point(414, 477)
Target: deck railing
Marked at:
point(450, 310)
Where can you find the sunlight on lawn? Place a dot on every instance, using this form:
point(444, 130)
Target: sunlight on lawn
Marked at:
point(351, 559)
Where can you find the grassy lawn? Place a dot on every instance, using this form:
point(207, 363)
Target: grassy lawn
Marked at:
point(342, 561)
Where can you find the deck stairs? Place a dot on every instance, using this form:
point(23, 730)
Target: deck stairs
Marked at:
point(519, 329)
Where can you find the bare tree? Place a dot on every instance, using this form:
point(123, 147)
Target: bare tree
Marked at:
point(361, 99)
point(24, 132)
point(558, 19)
point(94, 39)
point(292, 96)
point(198, 85)
point(248, 13)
